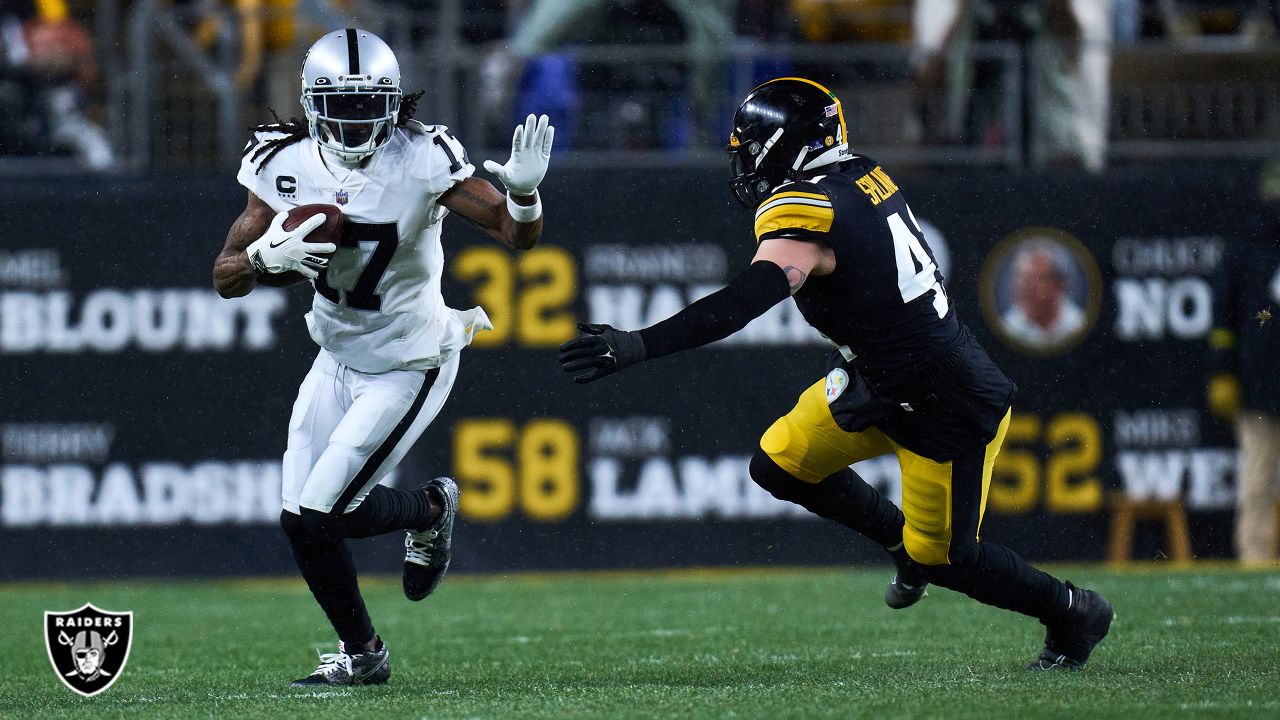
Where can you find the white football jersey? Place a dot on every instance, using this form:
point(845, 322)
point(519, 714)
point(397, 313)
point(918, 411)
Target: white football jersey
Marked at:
point(378, 306)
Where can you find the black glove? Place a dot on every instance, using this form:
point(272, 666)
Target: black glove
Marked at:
point(601, 351)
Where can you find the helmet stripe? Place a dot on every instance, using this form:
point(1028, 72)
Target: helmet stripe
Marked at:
point(353, 52)
point(803, 80)
point(844, 132)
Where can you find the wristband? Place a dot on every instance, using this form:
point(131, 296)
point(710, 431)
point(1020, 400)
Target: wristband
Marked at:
point(525, 213)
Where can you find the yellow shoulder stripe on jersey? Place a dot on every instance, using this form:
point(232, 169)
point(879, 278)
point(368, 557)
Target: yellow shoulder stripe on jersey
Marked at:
point(795, 214)
point(796, 197)
point(795, 194)
point(798, 193)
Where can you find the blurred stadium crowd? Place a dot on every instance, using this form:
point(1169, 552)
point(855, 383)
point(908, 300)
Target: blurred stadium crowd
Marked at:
point(141, 83)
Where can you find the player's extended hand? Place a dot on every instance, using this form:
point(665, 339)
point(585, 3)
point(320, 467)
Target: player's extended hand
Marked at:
point(602, 350)
point(530, 155)
point(280, 250)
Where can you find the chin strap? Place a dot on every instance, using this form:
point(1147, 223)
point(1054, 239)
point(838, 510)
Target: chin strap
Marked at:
point(799, 163)
point(337, 156)
point(829, 156)
point(325, 138)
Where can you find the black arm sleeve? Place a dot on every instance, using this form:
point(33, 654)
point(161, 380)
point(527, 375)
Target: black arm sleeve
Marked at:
point(720, 314)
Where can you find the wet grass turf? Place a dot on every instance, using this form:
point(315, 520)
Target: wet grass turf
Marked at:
point(763, 644)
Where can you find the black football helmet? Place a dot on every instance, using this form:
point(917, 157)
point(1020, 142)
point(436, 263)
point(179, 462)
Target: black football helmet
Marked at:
point(783, 130)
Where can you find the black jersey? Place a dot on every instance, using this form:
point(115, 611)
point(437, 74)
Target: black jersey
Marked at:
point(885, 301)
point(886, 305)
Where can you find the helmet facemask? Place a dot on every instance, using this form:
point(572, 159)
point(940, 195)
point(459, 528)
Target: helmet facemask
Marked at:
point(352, 122)
point(751, 185)
point(351, 93)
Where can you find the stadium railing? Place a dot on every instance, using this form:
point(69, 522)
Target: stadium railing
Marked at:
point(1206, 101)
point(172, 102)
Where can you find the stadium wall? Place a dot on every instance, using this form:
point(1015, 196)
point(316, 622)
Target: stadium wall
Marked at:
point(144, 417)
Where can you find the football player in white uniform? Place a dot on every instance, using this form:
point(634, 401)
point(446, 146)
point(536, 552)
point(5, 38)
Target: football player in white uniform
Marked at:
point(388, 345)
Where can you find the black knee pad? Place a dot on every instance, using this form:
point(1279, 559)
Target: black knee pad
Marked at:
point(963, 567)
point(322, 525)
point(293, 527)
point(965, 554)
point(767, 474)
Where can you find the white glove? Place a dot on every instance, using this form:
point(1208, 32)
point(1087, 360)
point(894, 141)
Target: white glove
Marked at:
point(280, 250)
point(530, 154)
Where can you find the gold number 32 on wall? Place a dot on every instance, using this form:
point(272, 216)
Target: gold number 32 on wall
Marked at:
point(527, 296)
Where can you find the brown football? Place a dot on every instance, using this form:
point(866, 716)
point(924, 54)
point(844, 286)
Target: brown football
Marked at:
point(330, 231)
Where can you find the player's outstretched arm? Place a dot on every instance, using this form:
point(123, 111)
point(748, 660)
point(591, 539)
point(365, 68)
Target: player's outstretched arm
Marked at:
point(515, 221)
point(779, 269)
point(480, 203)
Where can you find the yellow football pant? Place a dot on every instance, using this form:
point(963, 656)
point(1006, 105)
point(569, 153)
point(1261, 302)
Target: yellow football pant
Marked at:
point(943, 502)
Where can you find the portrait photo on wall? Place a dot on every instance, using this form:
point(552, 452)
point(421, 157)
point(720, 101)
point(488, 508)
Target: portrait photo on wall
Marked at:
point(1040, 291)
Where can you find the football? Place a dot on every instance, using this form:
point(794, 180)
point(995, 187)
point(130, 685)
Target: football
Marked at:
point(330, 231)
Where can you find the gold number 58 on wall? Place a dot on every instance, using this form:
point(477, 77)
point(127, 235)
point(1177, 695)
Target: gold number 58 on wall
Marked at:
point(501, 467)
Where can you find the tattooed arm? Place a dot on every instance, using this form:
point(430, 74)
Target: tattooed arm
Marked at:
point(233, 276)
point(481, 204)
point(799, 259)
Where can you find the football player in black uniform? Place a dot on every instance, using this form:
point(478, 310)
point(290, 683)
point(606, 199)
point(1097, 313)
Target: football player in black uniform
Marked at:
point(835, 232)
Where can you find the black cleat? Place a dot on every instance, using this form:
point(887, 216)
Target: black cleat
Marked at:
point(899, 595)
point(908, 585)
point(427, 552)
point(367, 668)
point(1067, 645)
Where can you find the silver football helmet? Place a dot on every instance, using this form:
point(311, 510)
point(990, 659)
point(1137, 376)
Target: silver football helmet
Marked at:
point(351, 93)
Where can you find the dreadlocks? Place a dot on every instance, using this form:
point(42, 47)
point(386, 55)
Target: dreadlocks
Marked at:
point(295, 130)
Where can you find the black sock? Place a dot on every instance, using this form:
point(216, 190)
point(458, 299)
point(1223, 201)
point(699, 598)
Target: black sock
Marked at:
point(325, 562)
point(995, 575)
point(842, 496)
point(386, 509)
point(909, 572)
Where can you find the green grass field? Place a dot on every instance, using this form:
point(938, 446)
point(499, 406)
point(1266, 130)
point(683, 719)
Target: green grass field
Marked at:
point(749, 644)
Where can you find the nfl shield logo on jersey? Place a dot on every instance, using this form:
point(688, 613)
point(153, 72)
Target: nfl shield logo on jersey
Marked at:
point(340, 197)
point(88, 647)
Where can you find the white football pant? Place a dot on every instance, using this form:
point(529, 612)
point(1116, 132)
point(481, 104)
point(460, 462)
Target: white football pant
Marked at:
point(349, 429)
